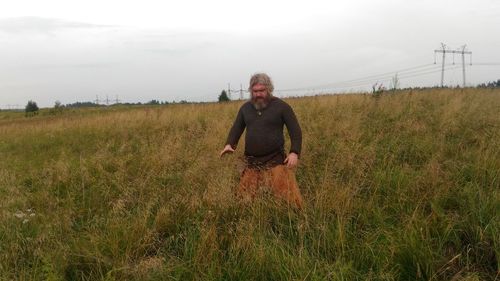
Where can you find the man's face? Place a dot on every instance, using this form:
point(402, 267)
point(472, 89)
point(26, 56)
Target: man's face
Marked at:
point(260, 96)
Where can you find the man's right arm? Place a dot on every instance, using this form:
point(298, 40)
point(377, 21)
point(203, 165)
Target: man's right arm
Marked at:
point(236, 130)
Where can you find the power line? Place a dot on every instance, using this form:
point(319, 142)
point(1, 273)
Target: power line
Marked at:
point(430, 72)
point(370, 83)
point(398, 73)
point(13, 107)
point(365, 78)
point(356, 82)
point(486, 63)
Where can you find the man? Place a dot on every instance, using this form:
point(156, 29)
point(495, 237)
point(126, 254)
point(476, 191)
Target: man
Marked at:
point(263, 116)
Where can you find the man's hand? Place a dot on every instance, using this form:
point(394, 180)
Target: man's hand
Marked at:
point(227, 149)
point(292, 160)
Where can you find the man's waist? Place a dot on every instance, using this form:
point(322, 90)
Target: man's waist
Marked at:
point(276, 151)
point(265, 161)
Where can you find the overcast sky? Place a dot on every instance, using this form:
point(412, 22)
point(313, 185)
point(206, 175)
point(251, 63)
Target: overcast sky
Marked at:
point(173, 50)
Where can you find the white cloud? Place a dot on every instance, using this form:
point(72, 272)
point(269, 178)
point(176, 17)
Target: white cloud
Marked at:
point(40, 25)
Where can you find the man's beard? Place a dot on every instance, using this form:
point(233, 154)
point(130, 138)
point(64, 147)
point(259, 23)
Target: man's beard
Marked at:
point(260, 102)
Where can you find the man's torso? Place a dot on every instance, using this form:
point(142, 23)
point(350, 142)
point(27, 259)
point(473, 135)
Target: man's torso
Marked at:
point(264, 140)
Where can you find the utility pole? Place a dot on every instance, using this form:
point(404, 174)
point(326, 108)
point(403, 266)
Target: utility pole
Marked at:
point(97, 99)
point(107, 100)
point(445, 51)
point(443, 46)
point(229, 90)
point(117, 100)
point(464, 47)
point(241, 92)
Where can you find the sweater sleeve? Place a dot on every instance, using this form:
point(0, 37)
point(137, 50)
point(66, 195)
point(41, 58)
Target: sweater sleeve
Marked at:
point(236, 130)
point(294, 129)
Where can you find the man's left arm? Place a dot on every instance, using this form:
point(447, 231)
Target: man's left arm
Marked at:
point(294, 131)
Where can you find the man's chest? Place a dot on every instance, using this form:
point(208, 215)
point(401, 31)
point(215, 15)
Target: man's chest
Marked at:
point(263, 118)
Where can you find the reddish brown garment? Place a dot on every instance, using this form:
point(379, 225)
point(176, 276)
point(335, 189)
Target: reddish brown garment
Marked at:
point(280, 179)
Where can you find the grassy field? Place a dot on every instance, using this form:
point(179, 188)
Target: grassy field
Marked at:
point(400, 187)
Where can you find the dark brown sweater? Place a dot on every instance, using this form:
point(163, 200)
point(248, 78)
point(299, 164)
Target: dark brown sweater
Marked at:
point(264, 141)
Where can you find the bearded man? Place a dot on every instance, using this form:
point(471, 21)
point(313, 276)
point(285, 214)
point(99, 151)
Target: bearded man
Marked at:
point(267, 165)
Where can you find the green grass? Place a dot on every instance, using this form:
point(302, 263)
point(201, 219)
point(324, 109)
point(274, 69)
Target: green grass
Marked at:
point(400, 187)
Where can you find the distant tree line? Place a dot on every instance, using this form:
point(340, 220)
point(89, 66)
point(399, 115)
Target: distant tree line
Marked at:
point(82, 104)
point(93, 104)
point(378, 89)
point(493, 84)
point(32, 109)
point(157, 102)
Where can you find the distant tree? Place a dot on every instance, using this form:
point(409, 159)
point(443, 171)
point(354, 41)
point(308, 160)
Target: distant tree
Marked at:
point(31, 108)
point(223, 96)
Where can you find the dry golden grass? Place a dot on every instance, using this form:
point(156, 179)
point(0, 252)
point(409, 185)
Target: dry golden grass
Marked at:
point(400, 187)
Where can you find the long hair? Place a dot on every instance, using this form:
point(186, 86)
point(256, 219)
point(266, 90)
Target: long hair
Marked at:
point(264, 79)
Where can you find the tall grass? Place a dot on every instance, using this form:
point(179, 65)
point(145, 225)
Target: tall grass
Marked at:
point(400, 187)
